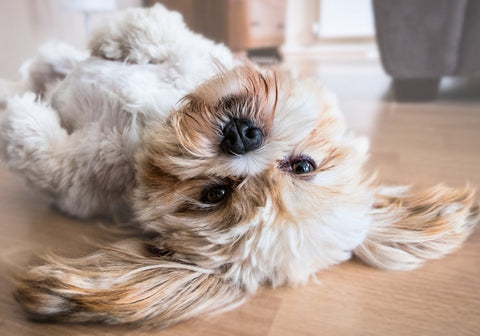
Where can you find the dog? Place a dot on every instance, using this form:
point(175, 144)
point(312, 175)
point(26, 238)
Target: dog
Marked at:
point(242, 176)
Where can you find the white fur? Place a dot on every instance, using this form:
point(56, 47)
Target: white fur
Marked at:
point(103, 106)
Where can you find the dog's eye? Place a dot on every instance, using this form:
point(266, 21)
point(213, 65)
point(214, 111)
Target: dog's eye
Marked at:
point(303, 166)
point(214, 195)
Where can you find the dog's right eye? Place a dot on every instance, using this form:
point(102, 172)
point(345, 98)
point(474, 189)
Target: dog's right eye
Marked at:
point(214, 195)
point(303, 166)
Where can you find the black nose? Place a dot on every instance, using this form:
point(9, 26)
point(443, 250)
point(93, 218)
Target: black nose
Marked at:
point(241, 136)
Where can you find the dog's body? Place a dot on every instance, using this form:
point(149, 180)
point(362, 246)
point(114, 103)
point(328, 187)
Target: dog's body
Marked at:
point(246, 176)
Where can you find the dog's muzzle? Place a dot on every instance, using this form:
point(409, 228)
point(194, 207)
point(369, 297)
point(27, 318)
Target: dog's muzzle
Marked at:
point(241, 136)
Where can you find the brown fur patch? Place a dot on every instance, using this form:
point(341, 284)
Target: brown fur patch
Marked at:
point(410, 228)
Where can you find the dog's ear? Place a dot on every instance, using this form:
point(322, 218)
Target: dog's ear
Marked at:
point(126, 283)
point(409, 228)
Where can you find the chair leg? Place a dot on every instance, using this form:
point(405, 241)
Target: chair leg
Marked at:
point(415, 89)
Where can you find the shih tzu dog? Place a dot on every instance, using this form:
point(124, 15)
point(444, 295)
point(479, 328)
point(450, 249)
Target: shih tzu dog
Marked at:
point(245, 176)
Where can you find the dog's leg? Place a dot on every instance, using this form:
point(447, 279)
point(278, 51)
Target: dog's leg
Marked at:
point(53, 63)
point(43, 72)
point(409, 228)
point(85, 173)
point(155, 35)
point(29, 130)
point(129, 282)
point(138, 35)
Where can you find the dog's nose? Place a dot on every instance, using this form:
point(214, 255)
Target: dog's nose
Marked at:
point(241, 136)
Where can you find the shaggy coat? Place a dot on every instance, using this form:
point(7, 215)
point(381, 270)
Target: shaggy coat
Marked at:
point(137, 130)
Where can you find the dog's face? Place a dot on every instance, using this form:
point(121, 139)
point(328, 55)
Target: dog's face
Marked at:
point(255, 170)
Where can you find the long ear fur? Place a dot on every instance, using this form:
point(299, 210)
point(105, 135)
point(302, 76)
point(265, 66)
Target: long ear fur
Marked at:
point(125, 283)
point(409, 228)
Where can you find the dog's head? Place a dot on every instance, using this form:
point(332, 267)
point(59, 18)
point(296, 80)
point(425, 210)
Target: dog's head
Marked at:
point(254, 169)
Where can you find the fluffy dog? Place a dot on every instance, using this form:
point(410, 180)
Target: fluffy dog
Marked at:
point(245, 176)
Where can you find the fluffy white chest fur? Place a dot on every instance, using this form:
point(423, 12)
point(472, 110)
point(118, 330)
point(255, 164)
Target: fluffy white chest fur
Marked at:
point(245, 176)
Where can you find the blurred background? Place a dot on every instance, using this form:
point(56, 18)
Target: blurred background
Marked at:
point(406, 73)
point(417, 43)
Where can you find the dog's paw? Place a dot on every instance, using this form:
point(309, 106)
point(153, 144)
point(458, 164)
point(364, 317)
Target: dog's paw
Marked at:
point(139, 35)
point(28, 129)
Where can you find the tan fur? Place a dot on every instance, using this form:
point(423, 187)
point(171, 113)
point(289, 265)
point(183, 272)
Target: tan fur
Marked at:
point(125, 283)
point(412, 227)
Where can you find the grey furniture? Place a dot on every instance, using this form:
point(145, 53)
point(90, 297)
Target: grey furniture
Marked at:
point(420, 41)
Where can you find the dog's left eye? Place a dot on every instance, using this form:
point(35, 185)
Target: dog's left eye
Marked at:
point(303, 166)
point(214, 195)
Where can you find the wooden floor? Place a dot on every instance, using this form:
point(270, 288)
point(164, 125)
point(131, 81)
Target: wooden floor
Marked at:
point(419, 144)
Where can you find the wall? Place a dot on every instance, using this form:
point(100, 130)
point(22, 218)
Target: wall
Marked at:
point(346, 19)
point(311, 22)
point(301, 15)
